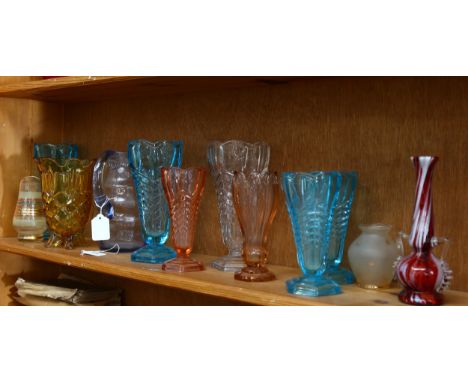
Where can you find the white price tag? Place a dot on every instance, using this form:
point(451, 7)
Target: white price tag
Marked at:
point(100, 229)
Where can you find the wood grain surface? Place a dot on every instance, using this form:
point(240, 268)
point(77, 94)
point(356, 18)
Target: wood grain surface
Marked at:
point(21, 123)
point(210, 282)
point(371, 125)
point(92, 88)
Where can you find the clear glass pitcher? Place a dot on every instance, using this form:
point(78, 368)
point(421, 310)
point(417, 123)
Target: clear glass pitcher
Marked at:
point(114, 193)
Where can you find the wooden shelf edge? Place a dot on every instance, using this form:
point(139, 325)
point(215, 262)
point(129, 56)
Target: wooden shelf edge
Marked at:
point(96, 88)
point(31, 88)
point(210, 282)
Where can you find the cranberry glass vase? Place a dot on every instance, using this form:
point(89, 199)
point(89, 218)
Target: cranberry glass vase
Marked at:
point(255, 197)
point(422, 274)
point(183, 189)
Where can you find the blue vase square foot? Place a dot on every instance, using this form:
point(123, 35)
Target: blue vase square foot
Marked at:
point(340, 275)
point(153, 254)
point(312, 286)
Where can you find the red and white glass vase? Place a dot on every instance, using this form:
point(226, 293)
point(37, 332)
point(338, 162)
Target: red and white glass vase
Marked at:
point(423, 275)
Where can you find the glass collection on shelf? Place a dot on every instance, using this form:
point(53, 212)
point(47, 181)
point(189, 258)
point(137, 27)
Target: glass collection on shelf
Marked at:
point(148, 197)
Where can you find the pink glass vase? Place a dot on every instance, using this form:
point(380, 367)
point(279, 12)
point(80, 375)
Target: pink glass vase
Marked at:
point(422, 274)
point(183, 189)
point(255, 197)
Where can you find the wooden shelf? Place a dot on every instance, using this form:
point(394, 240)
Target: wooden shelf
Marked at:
point(210, 282)
point(94, 88)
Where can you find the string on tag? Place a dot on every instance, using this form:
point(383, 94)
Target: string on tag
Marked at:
point(103, 204)
point(101, 252)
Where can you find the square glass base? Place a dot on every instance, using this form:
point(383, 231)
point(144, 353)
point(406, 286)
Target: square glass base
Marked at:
point(229, 263)
point(182, 264)
point(312, 286)
point(340, 275)
point(153, 254)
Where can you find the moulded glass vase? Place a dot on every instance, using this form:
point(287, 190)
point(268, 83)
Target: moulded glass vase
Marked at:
point(54, 151)
point(255, 198)
point(339, 229)
point(67, 194)
point(311, 198)
point(114, 192)
point(29, 219)
point(183, 189)
point(423, 275)
point(224, 159)
point(146, 160)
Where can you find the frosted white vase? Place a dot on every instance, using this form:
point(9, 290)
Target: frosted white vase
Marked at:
point(372, 256)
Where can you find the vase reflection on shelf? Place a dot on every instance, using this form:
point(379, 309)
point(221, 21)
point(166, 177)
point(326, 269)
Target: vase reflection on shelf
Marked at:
point(423, 275)
point(115, 195)
point(224, 159)
point(146, 160)
point(67, 195)
point(255, 197)
point(339, 229)
point(311, 198)
point(183, 189)
point(29, 219)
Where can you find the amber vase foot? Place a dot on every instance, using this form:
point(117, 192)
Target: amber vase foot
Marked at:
point(413, 297)
point(252, 273)
point(182, 264)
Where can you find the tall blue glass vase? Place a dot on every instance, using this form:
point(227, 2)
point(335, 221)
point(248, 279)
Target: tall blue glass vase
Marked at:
point(339, 229)
point(311, 198)
point(146, 160)
point(54, 151)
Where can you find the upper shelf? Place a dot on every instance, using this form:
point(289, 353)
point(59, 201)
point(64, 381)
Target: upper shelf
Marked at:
point(211, 281)
point(79, 89)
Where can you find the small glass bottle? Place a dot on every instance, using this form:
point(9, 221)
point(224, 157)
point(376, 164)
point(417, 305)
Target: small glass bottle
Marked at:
point(29, 218)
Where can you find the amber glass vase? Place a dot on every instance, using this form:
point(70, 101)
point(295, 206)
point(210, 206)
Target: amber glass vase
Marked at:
point(67, 194)
point(183, 189)
point(255, 198)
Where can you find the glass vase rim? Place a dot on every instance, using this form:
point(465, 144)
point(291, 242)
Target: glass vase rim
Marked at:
point(375, 227)
point(185, 169)
point(267, 172)
point(156, 143)
point(217, 143)
point(55, 144)
point(24, 178)
point(434, 157)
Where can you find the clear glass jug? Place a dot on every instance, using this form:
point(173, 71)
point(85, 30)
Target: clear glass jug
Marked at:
point(114, 192)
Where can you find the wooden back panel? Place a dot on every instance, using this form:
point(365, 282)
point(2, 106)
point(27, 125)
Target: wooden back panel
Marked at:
point(21, 123)
point(371, 125)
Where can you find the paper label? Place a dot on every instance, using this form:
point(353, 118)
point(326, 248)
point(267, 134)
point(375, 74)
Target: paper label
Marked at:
point(100, 229)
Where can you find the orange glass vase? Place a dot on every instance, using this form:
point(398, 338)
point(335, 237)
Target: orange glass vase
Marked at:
point(255, 197)
point(183, 189)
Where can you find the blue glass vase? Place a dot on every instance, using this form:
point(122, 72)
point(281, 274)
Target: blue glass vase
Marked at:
point(339, 229)
point(311, 198)
point(146, 160)
point(54, 151)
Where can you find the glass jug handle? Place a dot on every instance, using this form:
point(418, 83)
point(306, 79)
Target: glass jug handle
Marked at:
point(101, 200)
point(401, 237)
point(436, 241)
